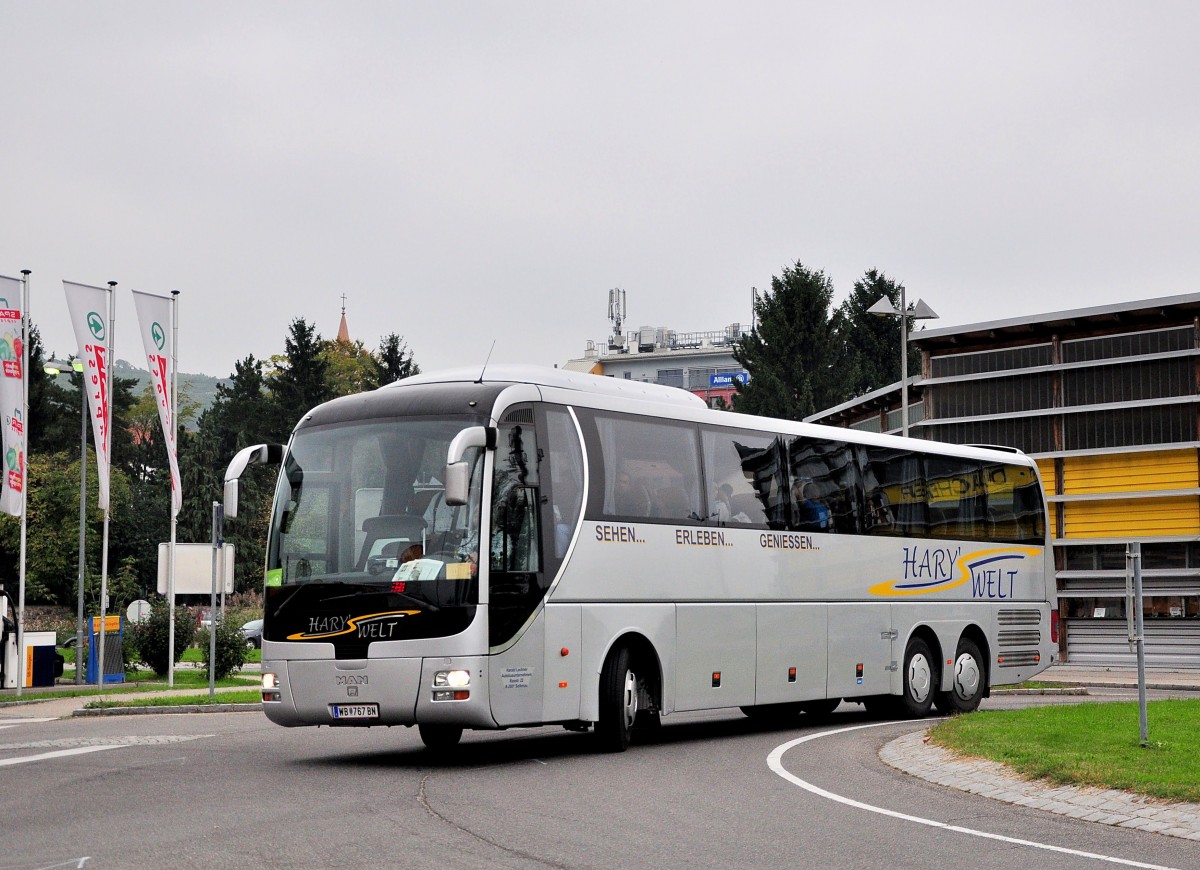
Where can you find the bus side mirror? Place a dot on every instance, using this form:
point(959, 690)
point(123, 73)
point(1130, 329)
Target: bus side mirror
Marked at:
point(458, 470)
point(259, 454)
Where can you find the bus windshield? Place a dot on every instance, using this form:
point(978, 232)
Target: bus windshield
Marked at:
point(363, 505)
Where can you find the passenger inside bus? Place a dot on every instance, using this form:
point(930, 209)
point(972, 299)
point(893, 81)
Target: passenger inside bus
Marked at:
point(811, 512)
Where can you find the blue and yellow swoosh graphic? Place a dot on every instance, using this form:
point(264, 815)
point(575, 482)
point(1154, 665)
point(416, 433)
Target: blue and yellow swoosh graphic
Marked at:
point(966, 565)
point(352, 625)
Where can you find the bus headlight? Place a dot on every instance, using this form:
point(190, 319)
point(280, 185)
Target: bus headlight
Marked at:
point(452, 679)
point(270, 680)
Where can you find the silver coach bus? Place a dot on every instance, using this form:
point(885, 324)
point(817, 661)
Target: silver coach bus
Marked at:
point(530, 546)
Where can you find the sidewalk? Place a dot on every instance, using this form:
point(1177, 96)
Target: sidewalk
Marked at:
point(1102, 677)
point(64, 707)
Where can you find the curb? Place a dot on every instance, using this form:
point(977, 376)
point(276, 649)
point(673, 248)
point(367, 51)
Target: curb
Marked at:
point(1073, 690)
point(160, 709)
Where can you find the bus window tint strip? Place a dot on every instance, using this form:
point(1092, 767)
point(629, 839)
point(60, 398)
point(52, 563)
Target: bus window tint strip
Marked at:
point(652, 472)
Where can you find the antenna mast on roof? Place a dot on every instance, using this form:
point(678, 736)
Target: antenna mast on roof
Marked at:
point(616, 313)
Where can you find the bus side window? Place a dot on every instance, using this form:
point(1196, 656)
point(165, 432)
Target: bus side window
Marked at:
point(738, 468)
point(651, 469)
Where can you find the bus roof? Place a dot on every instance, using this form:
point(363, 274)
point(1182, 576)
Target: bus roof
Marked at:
point(564, 380)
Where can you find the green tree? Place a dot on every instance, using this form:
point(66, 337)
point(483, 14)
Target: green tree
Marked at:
point(792, 353)
point(869, 344)
point(395, 360)
point(300, 380)
point(350, 367)
point(52, 534)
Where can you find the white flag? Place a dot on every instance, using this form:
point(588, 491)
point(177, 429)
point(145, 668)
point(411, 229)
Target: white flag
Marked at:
point(154, 316)
point(12, 395)
point(89, 315)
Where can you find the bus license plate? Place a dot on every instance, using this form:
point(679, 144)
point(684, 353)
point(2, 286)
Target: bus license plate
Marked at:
point(355, 711)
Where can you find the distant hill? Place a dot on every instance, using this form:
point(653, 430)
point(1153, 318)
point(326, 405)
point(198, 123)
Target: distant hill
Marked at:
point(201, 389)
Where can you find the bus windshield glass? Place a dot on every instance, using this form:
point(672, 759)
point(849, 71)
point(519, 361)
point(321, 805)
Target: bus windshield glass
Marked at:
point(362, 505)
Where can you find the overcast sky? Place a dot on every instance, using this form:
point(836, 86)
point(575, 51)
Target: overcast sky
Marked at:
point(470, 172)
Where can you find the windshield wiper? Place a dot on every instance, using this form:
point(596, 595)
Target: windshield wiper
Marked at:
point(367, 587)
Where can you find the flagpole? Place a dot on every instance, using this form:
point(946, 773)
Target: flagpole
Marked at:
point(174, 513)
point(108, 345)
point(24, 469)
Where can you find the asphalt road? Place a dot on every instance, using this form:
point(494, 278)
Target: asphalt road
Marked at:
point(233, 790)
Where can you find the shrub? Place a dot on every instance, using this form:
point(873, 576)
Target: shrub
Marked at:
point(231, 648)
point(152, 638)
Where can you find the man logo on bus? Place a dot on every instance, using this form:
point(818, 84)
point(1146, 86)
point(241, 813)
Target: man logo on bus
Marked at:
point(992, 573)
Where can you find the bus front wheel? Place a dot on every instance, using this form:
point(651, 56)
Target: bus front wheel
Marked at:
point(437, 737)
point(920, 679)
point(618, 702)
point(969, 679)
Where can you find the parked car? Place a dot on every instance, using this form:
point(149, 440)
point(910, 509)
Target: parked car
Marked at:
point(252, 631)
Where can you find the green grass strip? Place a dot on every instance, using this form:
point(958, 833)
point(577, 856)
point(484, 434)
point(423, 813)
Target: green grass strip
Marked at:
point(241, 696)
point(1095, 744)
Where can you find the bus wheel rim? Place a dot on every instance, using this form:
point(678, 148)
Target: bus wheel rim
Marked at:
point(630, 705)
point(920, 678)
point(966, 676)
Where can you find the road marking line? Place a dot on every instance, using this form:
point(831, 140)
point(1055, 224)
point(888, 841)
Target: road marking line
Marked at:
point(6, 762)
point(775, 762)
point(13, 723)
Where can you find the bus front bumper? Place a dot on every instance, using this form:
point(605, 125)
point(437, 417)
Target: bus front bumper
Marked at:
point(368, 692)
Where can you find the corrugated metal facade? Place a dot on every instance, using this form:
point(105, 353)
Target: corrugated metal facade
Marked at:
point(1107, 401)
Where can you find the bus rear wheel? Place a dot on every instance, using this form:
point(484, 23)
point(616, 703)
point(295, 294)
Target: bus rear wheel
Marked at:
point(618, 702)
point(968, 682)
point(437, 737)
point(921, 679)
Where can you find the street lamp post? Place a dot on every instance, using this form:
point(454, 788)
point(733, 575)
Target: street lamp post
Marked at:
point(59, 367)
point(919, 311)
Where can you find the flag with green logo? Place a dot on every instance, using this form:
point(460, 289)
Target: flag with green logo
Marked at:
point(89, 315)
point(12, 396)
point(154, 316)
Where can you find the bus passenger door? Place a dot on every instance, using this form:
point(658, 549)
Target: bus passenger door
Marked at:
point(860, 649)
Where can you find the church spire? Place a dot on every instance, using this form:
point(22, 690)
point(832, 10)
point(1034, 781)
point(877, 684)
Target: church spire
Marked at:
point(343, 328)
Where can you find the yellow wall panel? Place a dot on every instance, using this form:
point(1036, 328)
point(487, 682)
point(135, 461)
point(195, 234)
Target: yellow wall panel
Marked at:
point(1133, 517)
point(1130, 472)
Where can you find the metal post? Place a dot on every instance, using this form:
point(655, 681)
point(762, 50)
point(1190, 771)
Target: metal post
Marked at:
point(1139, 633)
point(80, 660)
point(212, 608)
point(174, 440)
point(903, 364)
point(24, 362)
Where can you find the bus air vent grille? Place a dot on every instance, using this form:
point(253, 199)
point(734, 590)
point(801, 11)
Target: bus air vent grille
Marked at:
point(520, 415)
point(1019, 638)
point(1019, 617)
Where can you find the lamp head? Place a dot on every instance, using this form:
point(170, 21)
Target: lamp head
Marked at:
point(883, 308)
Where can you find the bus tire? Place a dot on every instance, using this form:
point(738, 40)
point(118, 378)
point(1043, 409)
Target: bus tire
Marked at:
point(921, 679)
point(820, 708)
point(618, 702)
point(968, 681)
point(439, 737)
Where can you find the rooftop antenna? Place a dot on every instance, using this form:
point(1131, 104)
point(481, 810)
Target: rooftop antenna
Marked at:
point(616, 308)
point(485, 362)
point(616, 313)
